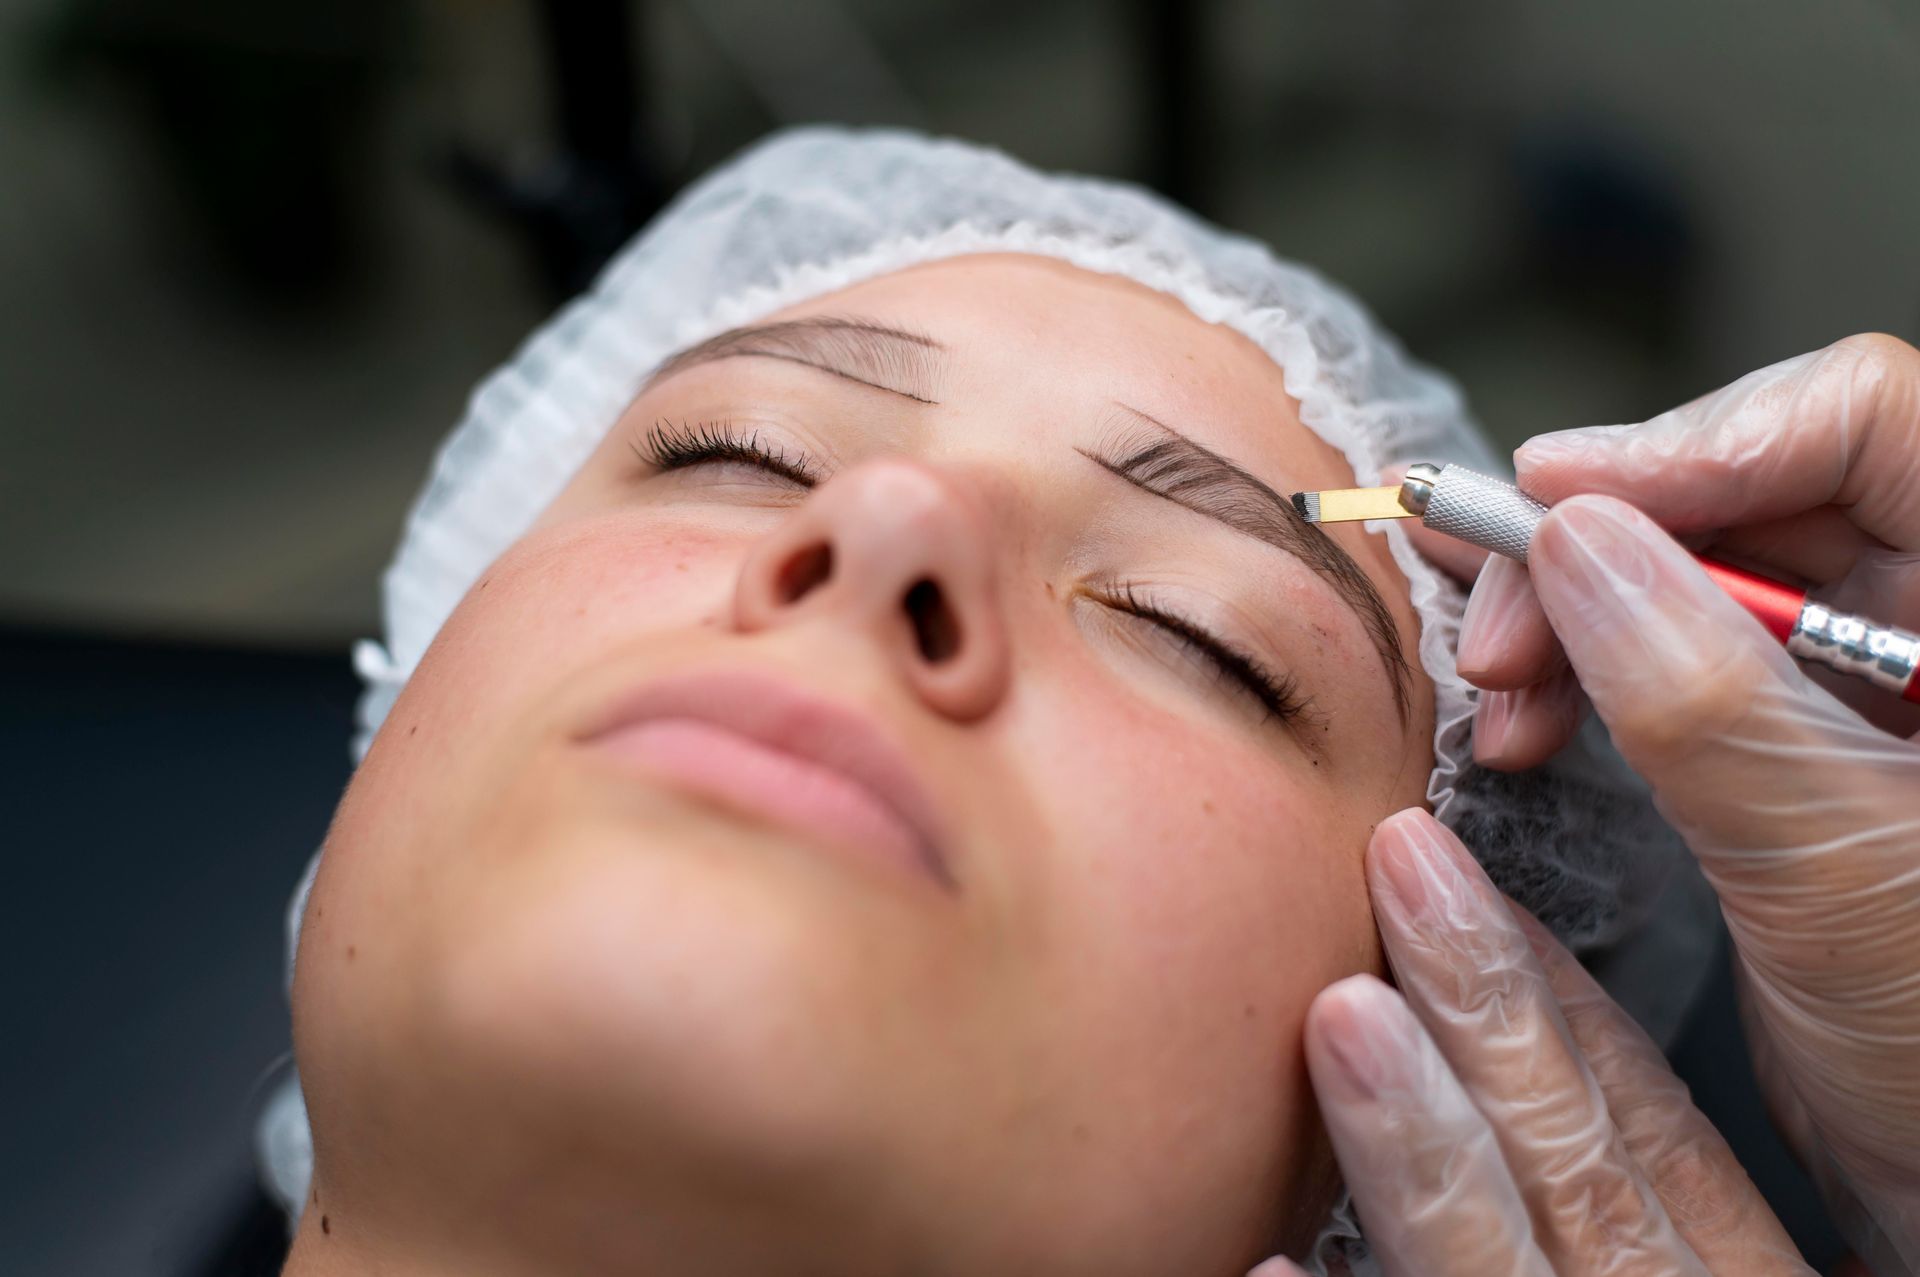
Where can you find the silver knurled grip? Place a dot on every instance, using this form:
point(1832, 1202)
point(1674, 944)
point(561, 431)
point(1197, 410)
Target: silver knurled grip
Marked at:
point(1483, 511)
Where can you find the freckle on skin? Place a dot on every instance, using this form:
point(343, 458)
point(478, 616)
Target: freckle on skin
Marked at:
point(351, 953)
point(679, 567)
point(1049, 586)
point(486, 582)
point(326, 1225)
point(1249, 1010)
point(1206, 805)
point(413, 729)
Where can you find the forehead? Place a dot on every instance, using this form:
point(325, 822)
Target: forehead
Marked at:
point(1012, 320)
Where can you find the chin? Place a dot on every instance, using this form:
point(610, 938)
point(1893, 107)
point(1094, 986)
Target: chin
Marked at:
point(698, 986)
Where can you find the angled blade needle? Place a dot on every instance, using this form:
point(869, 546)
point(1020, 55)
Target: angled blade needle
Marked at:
point(1346, 505)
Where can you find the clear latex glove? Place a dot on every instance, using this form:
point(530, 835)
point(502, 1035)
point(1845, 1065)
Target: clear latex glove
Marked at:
point(1507, 1117)
point(1803, 813)
point(1808, 470)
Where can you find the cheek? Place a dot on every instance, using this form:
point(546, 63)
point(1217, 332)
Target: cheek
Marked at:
point(1196, 896)
point(1200, 845)
point(557, 602)
point(576, 588)
point(445, 778)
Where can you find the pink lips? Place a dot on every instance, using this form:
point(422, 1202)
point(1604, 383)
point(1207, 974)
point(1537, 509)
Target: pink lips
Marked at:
point(760, 747)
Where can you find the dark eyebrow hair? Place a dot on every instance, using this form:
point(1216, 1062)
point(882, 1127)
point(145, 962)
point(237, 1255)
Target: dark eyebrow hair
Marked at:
point(1168, 464)
point(890, 359)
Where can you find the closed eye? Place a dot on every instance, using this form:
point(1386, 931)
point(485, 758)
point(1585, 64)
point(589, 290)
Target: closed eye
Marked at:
point(671, 445)
point(1279, 695)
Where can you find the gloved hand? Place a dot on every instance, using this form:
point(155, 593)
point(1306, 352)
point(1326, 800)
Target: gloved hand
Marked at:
point(1803, 811)
point(1516, 1121)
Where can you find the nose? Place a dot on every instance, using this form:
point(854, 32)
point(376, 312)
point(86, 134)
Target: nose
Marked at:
point(902, 554)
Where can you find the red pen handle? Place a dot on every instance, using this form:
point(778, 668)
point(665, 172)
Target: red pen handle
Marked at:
point(1777, 606)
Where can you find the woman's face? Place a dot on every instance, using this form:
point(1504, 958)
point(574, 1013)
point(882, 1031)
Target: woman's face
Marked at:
point(890, 813)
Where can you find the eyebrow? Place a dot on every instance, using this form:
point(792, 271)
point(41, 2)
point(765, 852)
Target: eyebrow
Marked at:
point(1170, 465)
point(903, 363)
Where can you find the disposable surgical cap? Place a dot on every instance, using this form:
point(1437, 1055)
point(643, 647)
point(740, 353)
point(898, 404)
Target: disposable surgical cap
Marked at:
point(811, 211)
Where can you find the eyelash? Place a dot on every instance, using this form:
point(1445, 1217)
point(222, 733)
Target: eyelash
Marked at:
point(671, 445)
point(1279, 694)
point(679, 446)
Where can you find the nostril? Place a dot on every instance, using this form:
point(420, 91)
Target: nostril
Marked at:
point(804, 572)
point(935, 628)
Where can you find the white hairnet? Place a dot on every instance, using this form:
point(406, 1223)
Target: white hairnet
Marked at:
point(815, 210)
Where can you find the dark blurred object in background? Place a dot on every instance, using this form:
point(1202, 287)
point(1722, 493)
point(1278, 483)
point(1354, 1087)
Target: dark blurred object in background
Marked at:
point(601, 185)
point(259, 119)
point(253, 258)
point(161, 802)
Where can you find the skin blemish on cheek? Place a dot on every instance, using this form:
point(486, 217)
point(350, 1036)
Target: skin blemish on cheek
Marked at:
point(352, 952)
point(1048, 585)
point(413, 730)
point(485, 582)
point(326, 1225)
point(1206, 804)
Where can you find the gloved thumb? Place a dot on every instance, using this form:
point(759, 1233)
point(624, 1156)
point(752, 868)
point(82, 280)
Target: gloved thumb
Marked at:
point(1803, 816)
point(1746, 755)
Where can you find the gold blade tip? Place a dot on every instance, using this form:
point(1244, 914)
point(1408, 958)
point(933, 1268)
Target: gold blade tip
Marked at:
point(1349, 505)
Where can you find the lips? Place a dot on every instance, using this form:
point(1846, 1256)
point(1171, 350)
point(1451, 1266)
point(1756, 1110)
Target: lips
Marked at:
point(764, 749)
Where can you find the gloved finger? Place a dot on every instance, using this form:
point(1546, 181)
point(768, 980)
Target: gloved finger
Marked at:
point(1523, 728)
point(1468, 973)
point(1718, 718)
point(1839, 426)
point(1802, 815)
point(1505, 640)
point(1705, 1190)
point(1422, 1163)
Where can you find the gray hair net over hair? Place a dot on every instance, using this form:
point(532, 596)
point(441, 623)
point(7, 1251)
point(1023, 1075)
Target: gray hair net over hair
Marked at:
point(812, 211)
